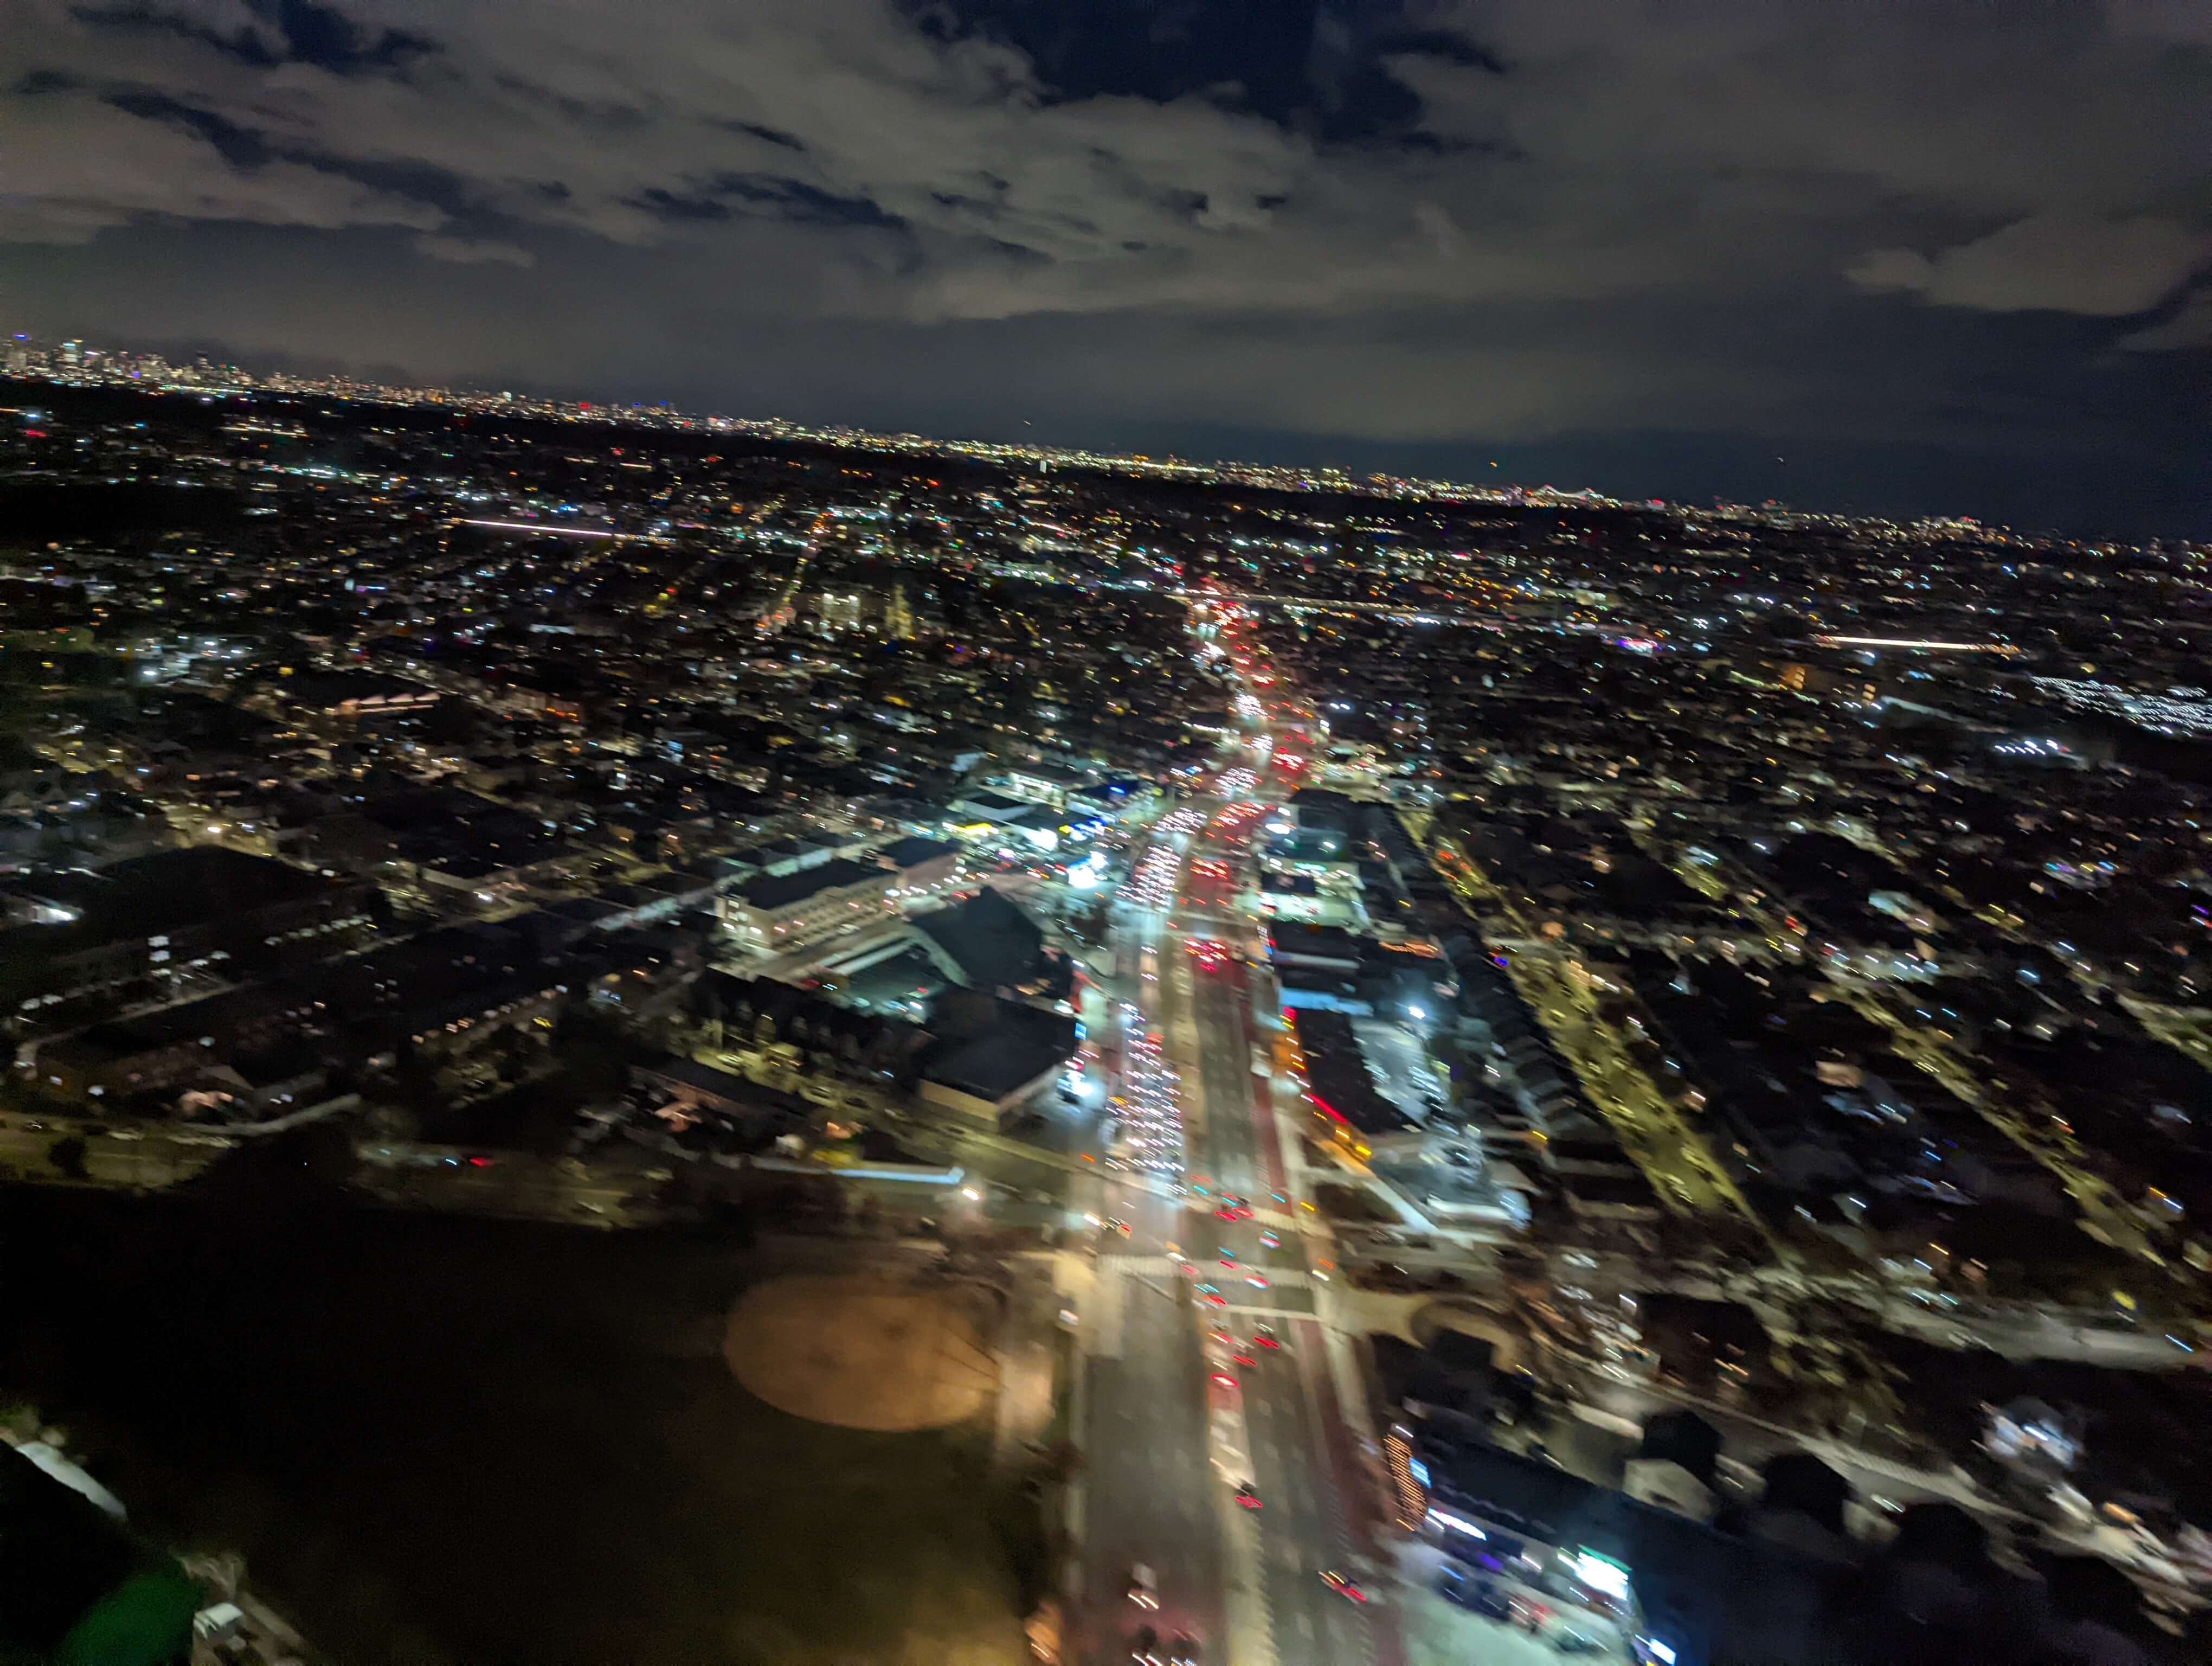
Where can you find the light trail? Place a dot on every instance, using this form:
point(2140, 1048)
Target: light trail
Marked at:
point(1915, 643)
point(540, 527)
point(786, 608)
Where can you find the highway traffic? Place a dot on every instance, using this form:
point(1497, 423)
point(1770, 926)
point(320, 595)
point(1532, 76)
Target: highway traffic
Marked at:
point(1222, 1457)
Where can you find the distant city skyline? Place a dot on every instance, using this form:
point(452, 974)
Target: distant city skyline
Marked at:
point(1936, 258)
point(77, 358)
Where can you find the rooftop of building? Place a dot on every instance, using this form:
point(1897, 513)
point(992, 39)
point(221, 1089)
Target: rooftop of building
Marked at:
point(1713, 1597)
point(913, 850)
point(333, 688)
point(1292, 940)
point(798, 1014)
point(1337, 1075)
point(992, 1046)
point(771, 891)
point(171, 889)
point(988, 940)
point(982, 800)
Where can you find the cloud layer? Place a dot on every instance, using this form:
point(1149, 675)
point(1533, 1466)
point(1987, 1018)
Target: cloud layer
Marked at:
point(2049, 262)
point(1414, 174)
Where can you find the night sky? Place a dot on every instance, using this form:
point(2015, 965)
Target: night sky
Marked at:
point(1895, 256)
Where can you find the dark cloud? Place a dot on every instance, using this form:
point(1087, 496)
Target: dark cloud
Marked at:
point(269, 34)
point(1412, 223)
point(771, 134)
point(1318, 68)
point(243, 148)
point(731, 194)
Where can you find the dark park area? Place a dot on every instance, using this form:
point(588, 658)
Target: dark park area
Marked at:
point(438, 1440)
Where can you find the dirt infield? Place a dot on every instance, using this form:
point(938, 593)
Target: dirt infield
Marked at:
point(861, 1353)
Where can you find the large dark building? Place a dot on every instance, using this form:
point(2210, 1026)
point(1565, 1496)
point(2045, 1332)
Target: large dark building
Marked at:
point(175, 911)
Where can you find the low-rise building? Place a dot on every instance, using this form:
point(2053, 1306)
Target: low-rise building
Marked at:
point(1045, 783)
point(978, 812)
point(1122, 799)
point(1564, 1558)
point(348, 696)
point(990, 943)
point(993, 1056)
point(815, 1035)
point(693, 1091)
point(926, 868)
point(153, 916)
point(778, 912)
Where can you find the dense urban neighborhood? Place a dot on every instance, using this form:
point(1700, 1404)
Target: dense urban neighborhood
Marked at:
point(648, 1036)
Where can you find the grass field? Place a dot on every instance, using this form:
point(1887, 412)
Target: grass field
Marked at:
point(449, 1441)
point(865, 1352)
point(857, 1545)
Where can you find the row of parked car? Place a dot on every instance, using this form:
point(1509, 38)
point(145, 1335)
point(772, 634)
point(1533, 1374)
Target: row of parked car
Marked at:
point(1457, 1586)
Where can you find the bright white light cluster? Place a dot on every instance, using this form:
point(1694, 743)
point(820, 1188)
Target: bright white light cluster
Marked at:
point(1152, 885)
point(2177, 711)
point(1148, 1132)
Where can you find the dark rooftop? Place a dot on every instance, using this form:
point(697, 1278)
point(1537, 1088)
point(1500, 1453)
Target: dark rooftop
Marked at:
point(779, 891)
point(801, 1015)
point(173, 889)
point(913, 852)
point(1336, 1073)
point(1712, 1597)
point(1313, 942)
point(989, 941)
point(994, 1046)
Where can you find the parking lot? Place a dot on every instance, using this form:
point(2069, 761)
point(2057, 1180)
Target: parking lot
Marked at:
point(1441, 1633)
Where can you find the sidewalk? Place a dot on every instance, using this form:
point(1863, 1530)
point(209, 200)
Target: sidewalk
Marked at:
point(1029, 1364)
point(1340, 1390)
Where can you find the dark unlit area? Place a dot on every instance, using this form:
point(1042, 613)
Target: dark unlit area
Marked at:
point(438, 1440)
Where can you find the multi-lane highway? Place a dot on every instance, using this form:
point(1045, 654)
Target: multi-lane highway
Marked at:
point(1183, 1400)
